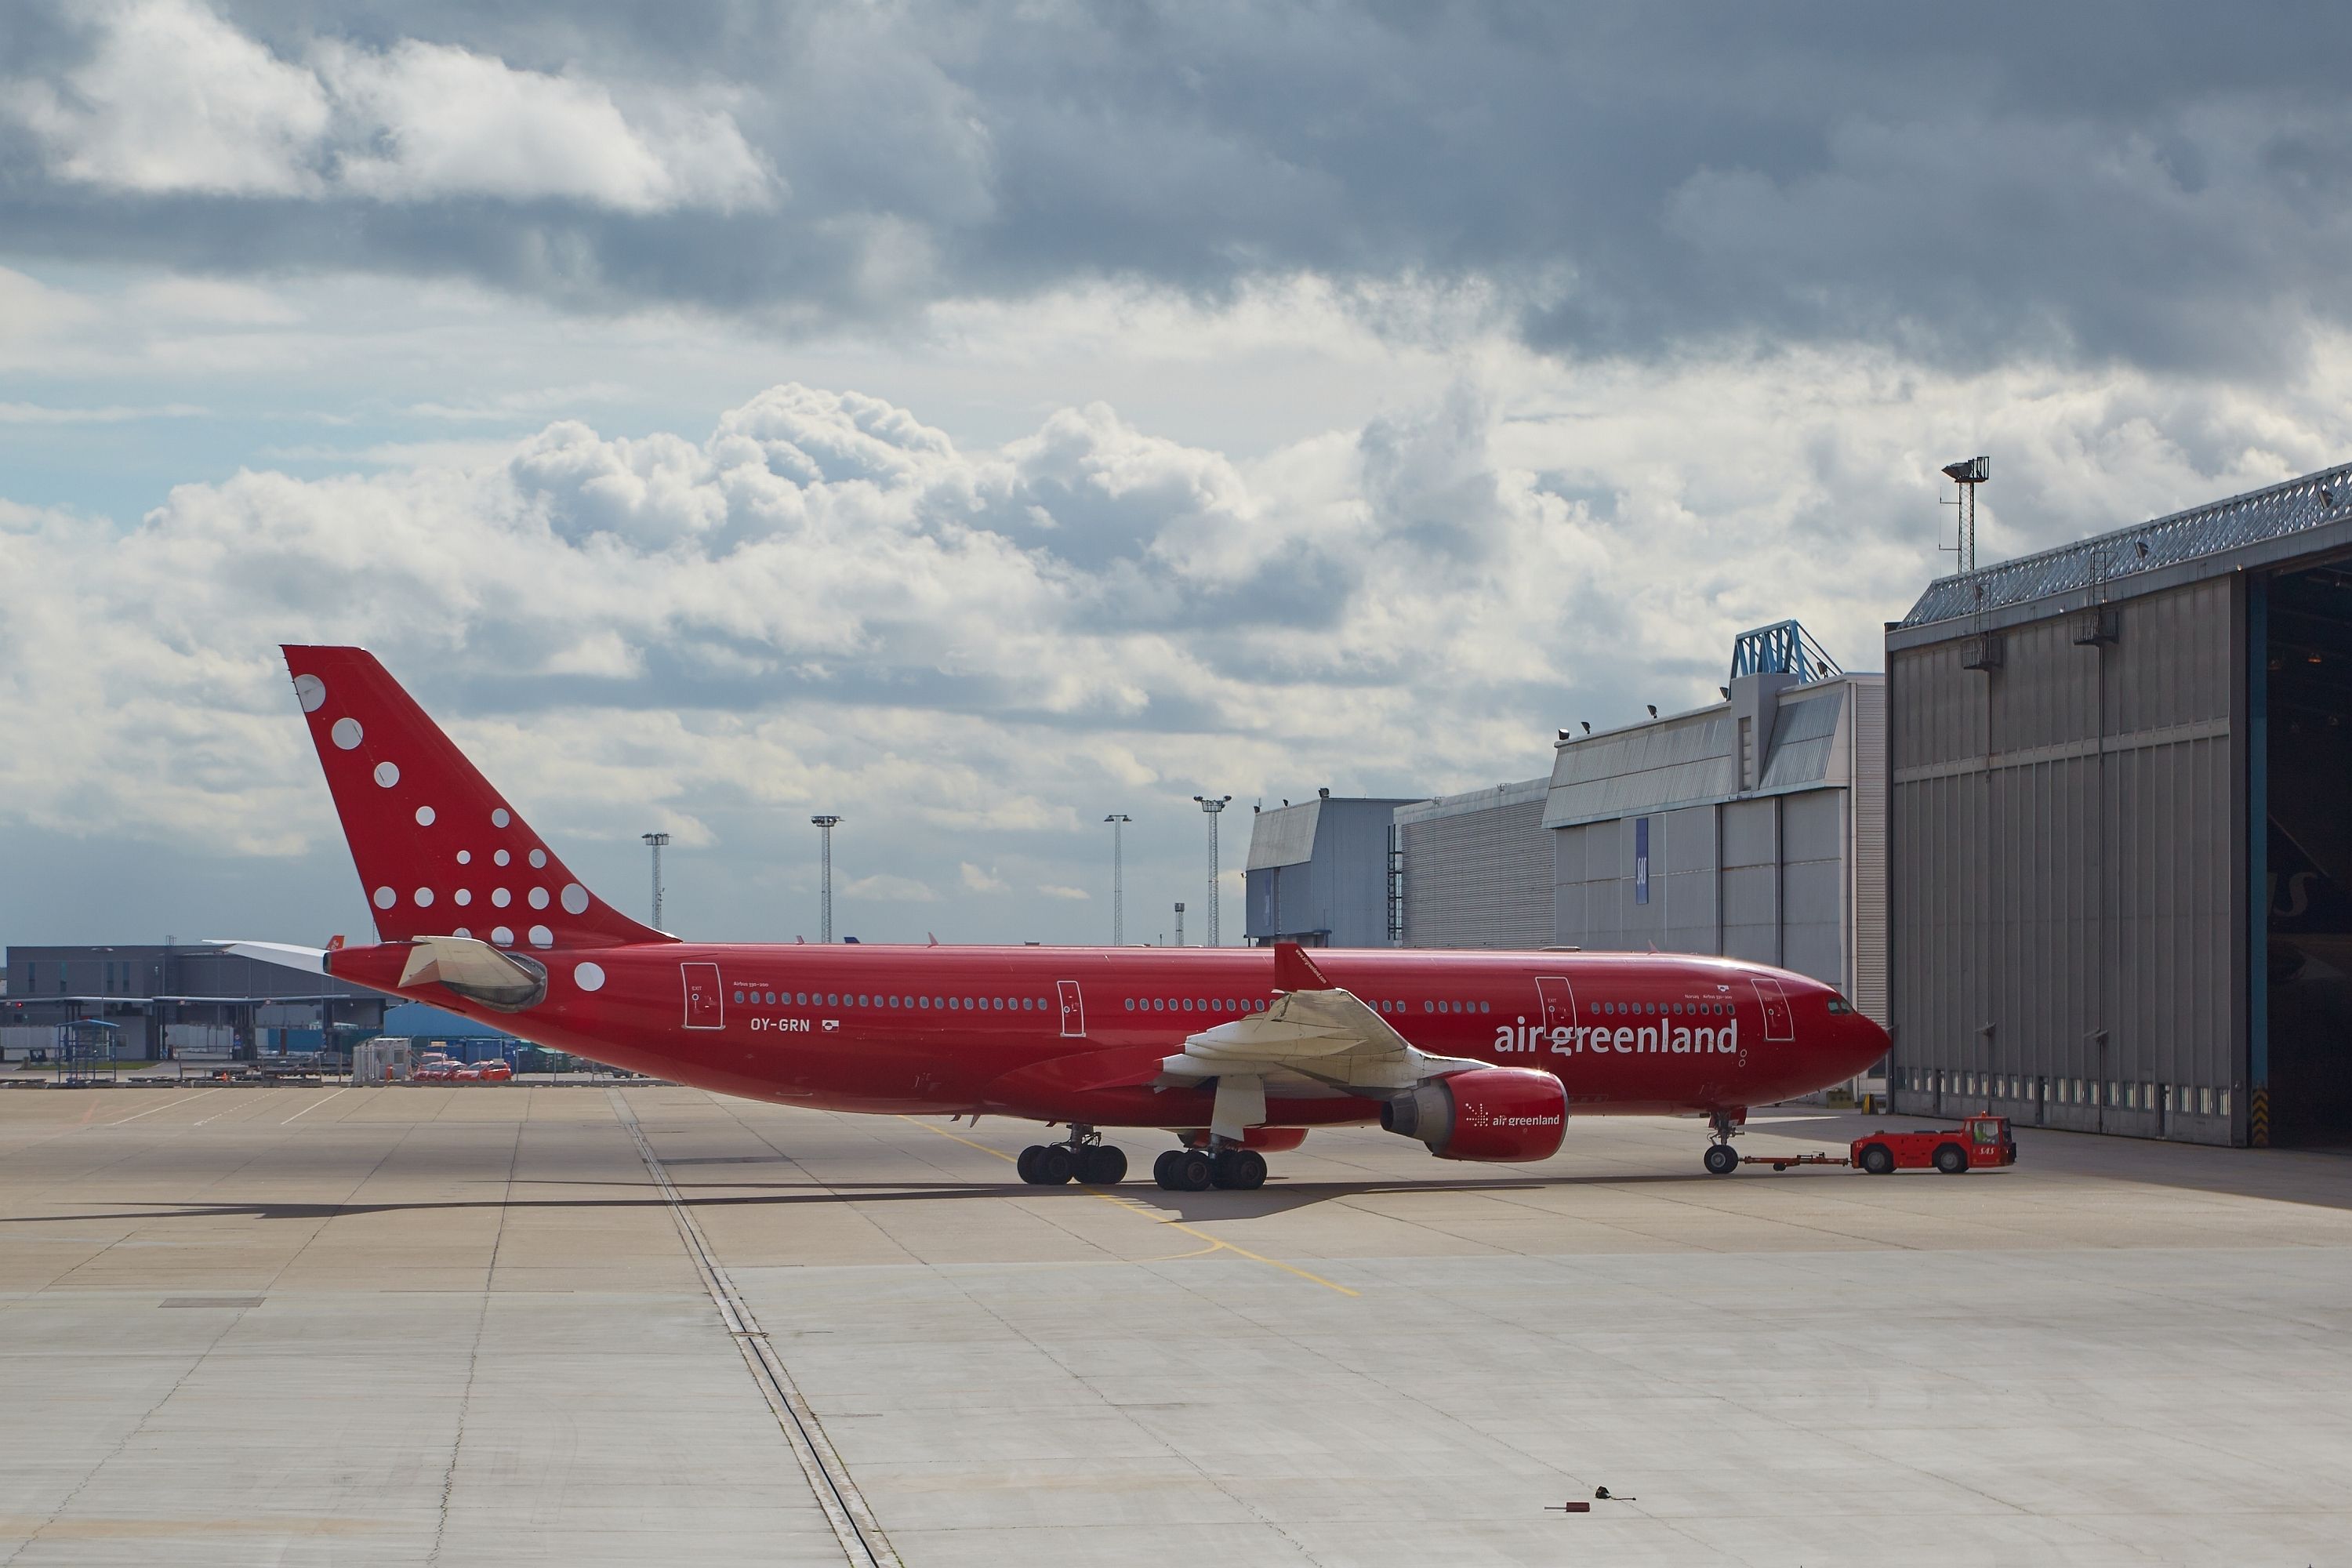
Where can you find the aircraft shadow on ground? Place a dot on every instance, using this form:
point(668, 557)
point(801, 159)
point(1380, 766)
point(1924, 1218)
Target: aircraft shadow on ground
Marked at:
point(1212, 1205)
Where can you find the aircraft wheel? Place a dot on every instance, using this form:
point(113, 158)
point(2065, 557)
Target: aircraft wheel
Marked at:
point(1027, 1163)
point(1242, 1170)
point(1053, 1165)
point(1104, 1164)
point(1878, 1160)
point(1192, 1171)
point(1722, 1159)
point(1952, 1159)
point(1163, 1169)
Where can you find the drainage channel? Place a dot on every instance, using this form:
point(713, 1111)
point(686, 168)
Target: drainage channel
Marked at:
point(862, 1539)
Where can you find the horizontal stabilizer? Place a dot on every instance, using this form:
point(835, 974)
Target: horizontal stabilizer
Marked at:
point(311, 959)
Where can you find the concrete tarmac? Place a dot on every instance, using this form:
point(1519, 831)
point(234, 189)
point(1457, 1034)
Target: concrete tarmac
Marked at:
point(468, 1325)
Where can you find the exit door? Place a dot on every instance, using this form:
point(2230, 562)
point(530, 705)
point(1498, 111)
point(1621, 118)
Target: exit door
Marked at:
point(1073, 1010)
point(705, 1009)
point(1559, 1002)
point(1780, 1024)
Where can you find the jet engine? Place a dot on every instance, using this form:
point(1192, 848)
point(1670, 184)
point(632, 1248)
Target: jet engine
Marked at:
point(1503, 1115)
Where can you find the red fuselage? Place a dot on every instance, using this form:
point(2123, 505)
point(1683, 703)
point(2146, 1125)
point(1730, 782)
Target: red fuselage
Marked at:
point(1073, 1033)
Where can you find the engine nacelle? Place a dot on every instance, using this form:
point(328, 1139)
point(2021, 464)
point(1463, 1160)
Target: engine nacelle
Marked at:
point(1502, 1114)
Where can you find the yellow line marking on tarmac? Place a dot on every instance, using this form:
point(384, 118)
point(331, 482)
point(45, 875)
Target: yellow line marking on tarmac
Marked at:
point(314, 1105)
point(175, 1100)
point(1216, 1244)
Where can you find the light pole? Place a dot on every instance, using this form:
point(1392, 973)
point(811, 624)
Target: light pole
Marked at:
point(1119, 821)
point(1212, 804)
point(655, 841)
point(1179, 925)
point(824, 826)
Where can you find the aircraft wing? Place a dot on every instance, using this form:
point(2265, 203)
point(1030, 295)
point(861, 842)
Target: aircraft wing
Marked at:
point(1316, 1030)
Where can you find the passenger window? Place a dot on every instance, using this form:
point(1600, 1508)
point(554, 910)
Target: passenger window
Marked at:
point(1130, 1003)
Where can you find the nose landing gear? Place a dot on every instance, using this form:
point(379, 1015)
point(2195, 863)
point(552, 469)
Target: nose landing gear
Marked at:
point(1084, 1156)
point(1722, 1159)
point(1190, 1170)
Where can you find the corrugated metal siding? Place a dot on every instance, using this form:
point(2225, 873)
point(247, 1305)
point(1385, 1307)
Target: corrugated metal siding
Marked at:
point(1868, 806)
point(2047, 881)
point(1478, 877)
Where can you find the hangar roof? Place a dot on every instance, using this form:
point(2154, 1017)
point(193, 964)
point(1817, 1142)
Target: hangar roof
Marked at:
point(1686, 759)
point(2221, 536)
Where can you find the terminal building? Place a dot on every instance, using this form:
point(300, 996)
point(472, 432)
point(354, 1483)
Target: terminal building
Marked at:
point(2121, 860)
point(192, 1000)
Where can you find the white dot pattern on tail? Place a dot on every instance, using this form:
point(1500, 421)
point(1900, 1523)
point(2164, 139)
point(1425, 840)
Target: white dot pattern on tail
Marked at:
point(346, 733)
point(387, 773)
point(575, 899)
point(311, 692)
point(589, 976)
point(385, 898)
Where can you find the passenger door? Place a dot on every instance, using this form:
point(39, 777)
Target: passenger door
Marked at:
point(1558, 998)
point(1073, 1010)
point(704, 1009)
point(1780, 1024)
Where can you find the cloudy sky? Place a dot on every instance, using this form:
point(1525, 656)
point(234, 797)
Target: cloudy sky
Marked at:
point(973, 421)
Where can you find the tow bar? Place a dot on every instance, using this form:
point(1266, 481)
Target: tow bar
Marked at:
point(1782, 1162)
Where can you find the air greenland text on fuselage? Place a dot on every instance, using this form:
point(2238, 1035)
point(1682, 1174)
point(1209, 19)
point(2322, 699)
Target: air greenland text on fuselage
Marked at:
point(1679, 1039)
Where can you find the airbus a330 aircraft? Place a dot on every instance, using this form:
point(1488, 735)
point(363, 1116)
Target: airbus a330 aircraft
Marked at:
point(1480, 1056)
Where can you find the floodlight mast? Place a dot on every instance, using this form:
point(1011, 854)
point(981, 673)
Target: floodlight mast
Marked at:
point(655, 841)
point(1212, 804)
point(1179, 924)
point(1119, 821)
point(824, 826)
point(1969, 473)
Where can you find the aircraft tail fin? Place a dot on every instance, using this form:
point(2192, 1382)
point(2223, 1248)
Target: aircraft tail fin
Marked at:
point(439, 852)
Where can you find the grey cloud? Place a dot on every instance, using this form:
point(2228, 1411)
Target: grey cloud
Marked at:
point(2154, 184)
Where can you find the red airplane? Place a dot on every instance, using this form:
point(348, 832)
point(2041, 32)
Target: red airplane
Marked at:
point(1480, 1056)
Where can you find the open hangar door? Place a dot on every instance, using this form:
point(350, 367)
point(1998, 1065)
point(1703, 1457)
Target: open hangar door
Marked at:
point(2302, 761)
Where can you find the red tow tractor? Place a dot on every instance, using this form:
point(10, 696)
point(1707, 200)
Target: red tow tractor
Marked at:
point(1979, 1143)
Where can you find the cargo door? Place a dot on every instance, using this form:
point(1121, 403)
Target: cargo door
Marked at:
point(1559, 999)
point(704, 1009)
point(1074, 1009)
point(1779, 1023)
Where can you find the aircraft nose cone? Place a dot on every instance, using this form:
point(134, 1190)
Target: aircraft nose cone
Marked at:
point(1870, 1042)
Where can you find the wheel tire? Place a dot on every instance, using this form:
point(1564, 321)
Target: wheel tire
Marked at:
point(1163, 1169)
point(1878, 1160)
point(1104, 1165)
point(1053, 1165)
point(1722, 1159)
point(1247, 1173)
point(1027, 1163)
point(1952, 1159)
point(1193, 1170)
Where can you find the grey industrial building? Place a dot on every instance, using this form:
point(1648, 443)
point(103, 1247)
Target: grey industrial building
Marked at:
point(2121, 870)
point(1319, 873)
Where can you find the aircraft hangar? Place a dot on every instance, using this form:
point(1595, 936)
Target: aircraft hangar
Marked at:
point(2120, 861)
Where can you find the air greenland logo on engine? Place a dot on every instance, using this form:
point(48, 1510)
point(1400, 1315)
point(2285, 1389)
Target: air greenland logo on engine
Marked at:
point(1679, 1039)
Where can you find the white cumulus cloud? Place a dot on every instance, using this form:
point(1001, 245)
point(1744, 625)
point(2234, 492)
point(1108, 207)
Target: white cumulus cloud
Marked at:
point(175, 99)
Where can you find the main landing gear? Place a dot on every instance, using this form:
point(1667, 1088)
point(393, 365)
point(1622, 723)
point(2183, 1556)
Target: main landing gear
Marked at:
point(1190, 1170)
point(1722, 1159)
point(1084, 1156)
